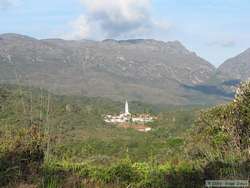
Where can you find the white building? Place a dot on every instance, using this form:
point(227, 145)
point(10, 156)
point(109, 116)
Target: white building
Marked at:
point(127, 117)
point(121, 118)
point(126, 108)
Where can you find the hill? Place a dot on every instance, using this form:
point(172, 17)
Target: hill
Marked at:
point(77, 121)
point(236, 68)
point(143, 70)
point(229, 75)
point(59, 141)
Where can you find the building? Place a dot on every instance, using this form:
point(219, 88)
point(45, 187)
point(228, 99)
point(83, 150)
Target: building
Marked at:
point(121, 118)
point(126, 108)
point(127, 117)
point(143, 118)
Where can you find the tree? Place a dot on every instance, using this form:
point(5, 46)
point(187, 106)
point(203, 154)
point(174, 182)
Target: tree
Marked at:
point(225, 130)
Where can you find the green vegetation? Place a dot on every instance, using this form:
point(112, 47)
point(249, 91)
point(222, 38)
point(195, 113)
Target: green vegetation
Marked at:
point(58, 141)
point(21, 154)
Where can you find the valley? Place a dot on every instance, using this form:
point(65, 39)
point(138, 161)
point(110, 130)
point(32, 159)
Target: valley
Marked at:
point(63, 121)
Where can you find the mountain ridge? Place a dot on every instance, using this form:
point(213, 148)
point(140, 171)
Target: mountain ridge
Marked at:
point(237, 67)
point(137, 69)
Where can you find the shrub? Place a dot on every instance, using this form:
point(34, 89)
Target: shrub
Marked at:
point(185, 175)
point(226, 129)
point(226, 170)
point(222, 137)
point(124, 173)
point(21, 155)
point(154, 179)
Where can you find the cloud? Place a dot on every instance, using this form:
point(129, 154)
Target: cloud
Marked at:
point(115, 19)
point(223, 43)
point(80, 29)
point(6, 4)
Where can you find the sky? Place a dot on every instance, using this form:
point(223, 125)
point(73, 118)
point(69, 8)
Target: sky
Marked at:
point(215, 29)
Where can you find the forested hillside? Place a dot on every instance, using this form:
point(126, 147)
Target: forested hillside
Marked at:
point(60, 141)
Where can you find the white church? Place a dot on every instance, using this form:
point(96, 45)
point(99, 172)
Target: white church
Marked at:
point(127, 117)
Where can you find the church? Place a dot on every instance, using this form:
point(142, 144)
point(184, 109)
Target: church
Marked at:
point(127, 117)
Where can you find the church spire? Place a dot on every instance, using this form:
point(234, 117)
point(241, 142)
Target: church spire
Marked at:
point(126, 108)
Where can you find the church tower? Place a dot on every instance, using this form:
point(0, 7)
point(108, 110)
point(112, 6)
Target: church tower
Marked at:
point(126, 108)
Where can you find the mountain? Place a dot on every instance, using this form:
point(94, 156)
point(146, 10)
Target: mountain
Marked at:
point(228, 76)
point(144, 70)
point(236, 68)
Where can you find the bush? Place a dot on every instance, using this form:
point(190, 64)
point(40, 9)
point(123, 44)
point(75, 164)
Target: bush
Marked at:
point(185, 175)
point(222, 137)
point(21, 155)
point(123, 173)
point(227, 170)
point(226, 129)
point(154, 179)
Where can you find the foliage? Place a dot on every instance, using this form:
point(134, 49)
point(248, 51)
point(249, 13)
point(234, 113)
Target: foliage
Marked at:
point(222, 138)
point(80, 134)
point(21, 154)
point(226, 129)
point(125, 173)
point(80, 150)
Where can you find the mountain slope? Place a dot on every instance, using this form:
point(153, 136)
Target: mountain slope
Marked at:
point(144, 70)
point(236, 68)
point(228, 76)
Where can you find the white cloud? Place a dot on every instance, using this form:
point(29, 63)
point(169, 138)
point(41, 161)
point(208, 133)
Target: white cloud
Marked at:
point(115, 19)
point(80, 29)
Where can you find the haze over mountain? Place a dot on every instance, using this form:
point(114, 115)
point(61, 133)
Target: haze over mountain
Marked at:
point(145, 70)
